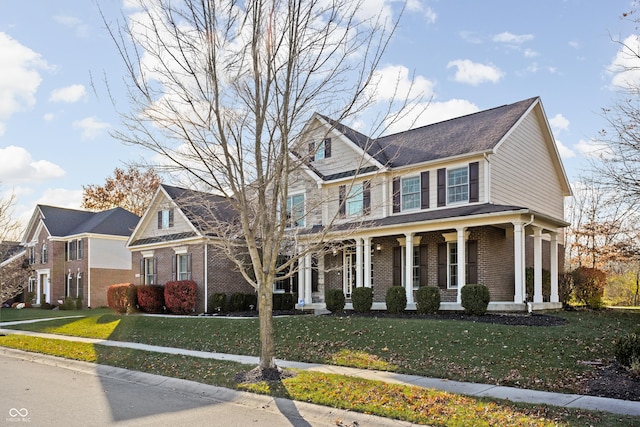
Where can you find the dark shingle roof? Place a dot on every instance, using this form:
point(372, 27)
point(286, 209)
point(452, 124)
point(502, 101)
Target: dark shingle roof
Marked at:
point(68, 222)
point(165, 238)
point(203, 210)
point(473, 133)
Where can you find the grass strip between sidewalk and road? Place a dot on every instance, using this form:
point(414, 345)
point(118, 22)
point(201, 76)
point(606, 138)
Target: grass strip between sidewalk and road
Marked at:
point(409, 403)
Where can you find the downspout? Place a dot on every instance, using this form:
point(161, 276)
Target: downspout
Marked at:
point(487, 179)
point(89, 272)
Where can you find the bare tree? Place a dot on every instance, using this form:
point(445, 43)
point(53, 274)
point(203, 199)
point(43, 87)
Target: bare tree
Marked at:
point(14, 272)
point(130, 189)
point(221, 91)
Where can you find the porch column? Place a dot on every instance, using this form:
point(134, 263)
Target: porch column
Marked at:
point(408, 272)
point(554, 267)
point(301, 279)
point(367, 262)
point(518, 260)
point(537, 264)
point(358, 262)
point(307, 279)
point(462, 264)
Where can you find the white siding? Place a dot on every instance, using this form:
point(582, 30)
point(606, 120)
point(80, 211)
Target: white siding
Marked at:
point(523, 172)
point(109, 253)
point(150, 226)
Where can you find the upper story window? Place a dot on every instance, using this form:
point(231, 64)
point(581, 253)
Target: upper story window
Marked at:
point(165, 218)
point(321, 151)
point(32, 255)
point(357, 201)
point(410, 193)
point(75, 249)
point(44, 257)
point(458, 185)
point(80, 249)
point(295, 210)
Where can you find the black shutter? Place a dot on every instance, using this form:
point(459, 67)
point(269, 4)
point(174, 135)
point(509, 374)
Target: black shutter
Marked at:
point(442, 265)
point(159, 220)
point(397, 266)
point(155, 272)
point(327, 147)
point(142, 279)
point(312, 149)
point(396, 194)
point(188, 266)
point(424, 190)
point(342, 192)
point(472, 262)
point(474, 184)
point(174, 267)
point(170, 217)
point(442, 187)
point(424, 261)
point(314, 274)
point(366, 197)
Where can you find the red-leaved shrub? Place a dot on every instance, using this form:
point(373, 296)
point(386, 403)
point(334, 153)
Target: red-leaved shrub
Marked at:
point(181, 296)
point(122, 297)
point(151, 298)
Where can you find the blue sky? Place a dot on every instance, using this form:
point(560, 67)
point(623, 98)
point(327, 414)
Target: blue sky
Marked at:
point(56, 113)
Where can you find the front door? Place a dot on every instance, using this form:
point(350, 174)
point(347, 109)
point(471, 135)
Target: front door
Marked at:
point(44, 288)
point(349, 272)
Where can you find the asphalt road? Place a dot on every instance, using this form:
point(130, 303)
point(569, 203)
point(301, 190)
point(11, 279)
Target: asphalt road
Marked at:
point(44, 391)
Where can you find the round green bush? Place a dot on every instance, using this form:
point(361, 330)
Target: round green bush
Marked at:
point(217, 302)
point(237, 302)
point(334, 300)
point(475, 299)
point(428, 300)
point(362, 299)
point(627, 349)
point(396, 299)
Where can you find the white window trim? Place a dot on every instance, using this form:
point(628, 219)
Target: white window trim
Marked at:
point(303, 218)
point(350, 194)
point(417, 208)
point(451, 169)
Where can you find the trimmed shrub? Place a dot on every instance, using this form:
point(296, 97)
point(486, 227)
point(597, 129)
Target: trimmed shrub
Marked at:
point(627, 349)
point(277, 301)
point(181, 296)
point(588, 286)
point(362, 299)
point(396, 299)
point(475, 299)
point(237, 302)
point(334, 300)
point(78, 303)
point(68, 304)
point(217, 303)
point(288, 301)
point(150, 298)
point(250, 300)
point(122, 297)
point(428, 300)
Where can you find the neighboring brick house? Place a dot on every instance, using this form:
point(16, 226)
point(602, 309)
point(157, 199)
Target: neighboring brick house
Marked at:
point(475, 199)
point(77, 253)
point(171, 242)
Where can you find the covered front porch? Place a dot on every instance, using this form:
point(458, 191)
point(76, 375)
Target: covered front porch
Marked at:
point(491, 248)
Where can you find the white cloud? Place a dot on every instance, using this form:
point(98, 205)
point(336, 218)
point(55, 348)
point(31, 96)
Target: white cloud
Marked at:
point(574, 44)
point(530, 53)
point(470, 37)
point(91, 127)
point(559, 123)
point(474, 73)
point(431, 15)
point(17, 165)
point(565, 152)
point(625, 67)
point(48, 117)
point(60, 197)
point(80, 28)
point(594, 149)
point(19, 68)
point(510, 38)
point(393, 83)
point(71, 93)
point(433, 112)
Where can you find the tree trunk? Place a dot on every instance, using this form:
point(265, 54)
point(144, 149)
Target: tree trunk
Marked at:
point(265, 313)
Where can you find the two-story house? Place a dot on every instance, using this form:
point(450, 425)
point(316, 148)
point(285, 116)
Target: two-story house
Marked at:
point(77, 253)
point(175, 240)
point(475, 199)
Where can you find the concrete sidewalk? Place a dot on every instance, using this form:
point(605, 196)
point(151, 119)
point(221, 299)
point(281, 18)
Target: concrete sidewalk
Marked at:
point(593, 403)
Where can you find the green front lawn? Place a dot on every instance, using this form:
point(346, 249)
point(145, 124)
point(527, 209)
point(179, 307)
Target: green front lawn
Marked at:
point(415, 404)
point(544, 358)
